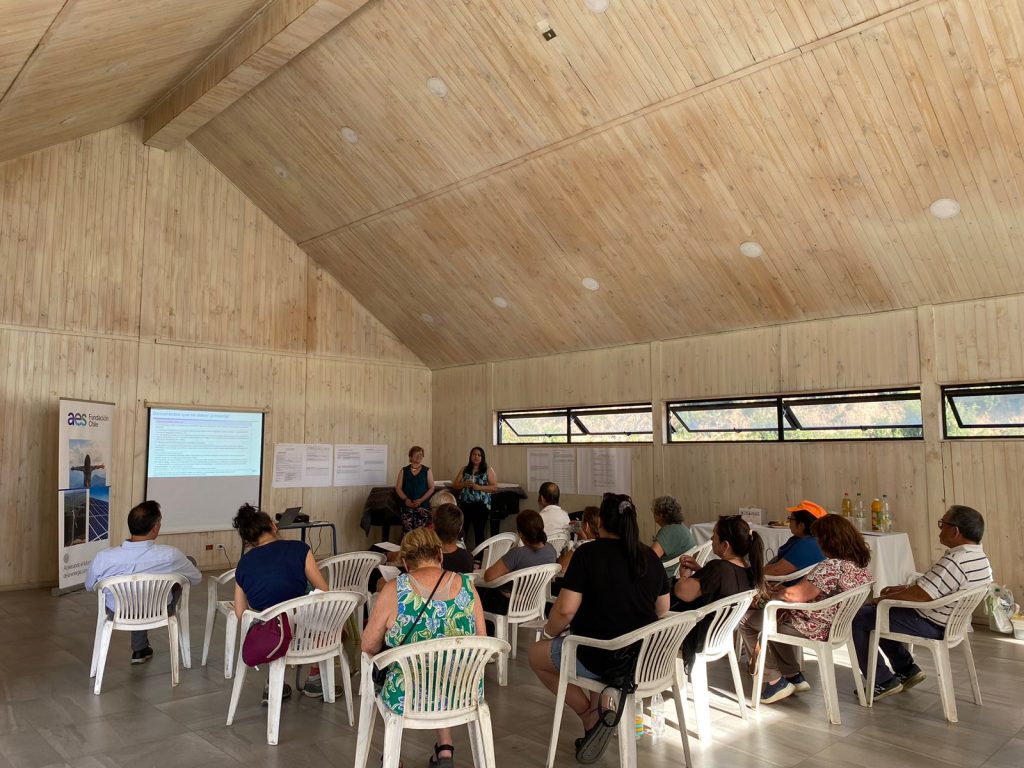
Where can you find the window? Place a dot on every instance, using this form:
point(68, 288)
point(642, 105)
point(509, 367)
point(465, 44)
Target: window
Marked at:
point(984, 410)
point(591, 424)
point(882, 415)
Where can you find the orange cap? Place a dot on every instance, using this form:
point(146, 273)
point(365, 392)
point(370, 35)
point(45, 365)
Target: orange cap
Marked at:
point(809, 506)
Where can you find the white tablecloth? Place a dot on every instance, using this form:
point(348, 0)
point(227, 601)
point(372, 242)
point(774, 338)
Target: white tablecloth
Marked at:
point(892, 562)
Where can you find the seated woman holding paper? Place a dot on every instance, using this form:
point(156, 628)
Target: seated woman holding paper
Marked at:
point(535, 550)
point(271, 571)
point(425, 603)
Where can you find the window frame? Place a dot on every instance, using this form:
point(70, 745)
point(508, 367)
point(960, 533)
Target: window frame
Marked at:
point(572, 416)
point(949, 391)
point(786, 418)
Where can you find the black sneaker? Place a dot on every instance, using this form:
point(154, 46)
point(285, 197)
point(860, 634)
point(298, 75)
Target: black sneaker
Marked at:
point(286, 693)
point(888, 688)
point(141, 657)
point(910, 676)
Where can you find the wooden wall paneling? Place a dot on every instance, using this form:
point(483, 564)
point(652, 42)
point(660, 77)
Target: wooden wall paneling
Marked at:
point(359, 403)
point(218, 270)
point(980, 341)
point(337, 324)
point(71, 233)
point(616, 375)
point(40, 368)
point(879, 350)
point(724, 364)
point(462, 416)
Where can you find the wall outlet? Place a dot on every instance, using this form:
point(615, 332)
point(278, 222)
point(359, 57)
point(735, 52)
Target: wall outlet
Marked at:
point(219, 546)
point(209, 547)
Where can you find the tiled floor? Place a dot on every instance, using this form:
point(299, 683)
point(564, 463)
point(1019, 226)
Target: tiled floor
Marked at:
point(49, 715)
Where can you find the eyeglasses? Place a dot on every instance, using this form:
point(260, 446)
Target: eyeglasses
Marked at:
point(943, 523)
point(789, 518)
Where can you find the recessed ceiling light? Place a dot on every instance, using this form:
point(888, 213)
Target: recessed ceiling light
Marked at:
point(944, 208)
point(752, 249)
point(349, 135)
point(597, 6)
point(437, 86)
point(427, 318)
point(281, 171)
point(500, 302)
point(590, 283)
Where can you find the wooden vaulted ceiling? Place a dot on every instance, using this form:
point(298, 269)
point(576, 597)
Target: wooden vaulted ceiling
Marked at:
point(639, 147)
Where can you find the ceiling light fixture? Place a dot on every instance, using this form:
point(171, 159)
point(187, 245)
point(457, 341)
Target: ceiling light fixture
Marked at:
point(597, 6)
point(281, 171)
point(500, 302)
point(437, 86)
point(349, 135)
point(944, 208)
point(752, 249)
point(590, 283)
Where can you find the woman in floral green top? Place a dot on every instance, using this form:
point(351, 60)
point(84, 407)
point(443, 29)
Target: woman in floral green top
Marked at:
point(453, 611)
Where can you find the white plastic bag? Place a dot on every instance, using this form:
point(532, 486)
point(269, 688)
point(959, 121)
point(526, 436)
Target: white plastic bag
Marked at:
point(1000, 605)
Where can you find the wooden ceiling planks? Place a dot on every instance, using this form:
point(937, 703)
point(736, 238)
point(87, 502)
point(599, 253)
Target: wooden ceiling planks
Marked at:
point(829, 158)
point(24, 24)
point(103, 62)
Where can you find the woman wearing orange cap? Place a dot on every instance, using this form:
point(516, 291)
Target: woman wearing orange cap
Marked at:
point(801, 550)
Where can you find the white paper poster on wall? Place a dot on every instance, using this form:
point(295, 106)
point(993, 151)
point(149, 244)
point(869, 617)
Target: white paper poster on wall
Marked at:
point(604, 470)
point(302, 465)
point(361, 465)
point(84, 476)
point(555, 464)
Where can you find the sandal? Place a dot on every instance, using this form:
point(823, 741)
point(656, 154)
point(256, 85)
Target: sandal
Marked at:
point(590, 748)
point(436, 761)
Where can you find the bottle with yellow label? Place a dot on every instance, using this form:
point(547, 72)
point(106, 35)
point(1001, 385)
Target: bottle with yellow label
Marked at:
point(847, 505)
point(876, 515)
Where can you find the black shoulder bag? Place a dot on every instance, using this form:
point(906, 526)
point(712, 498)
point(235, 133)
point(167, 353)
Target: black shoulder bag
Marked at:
point(380, 675)
point(619, 676)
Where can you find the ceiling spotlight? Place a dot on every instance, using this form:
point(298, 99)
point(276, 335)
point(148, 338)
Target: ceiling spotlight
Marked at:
point(349, 135)
point(944, 208)
point(437, 86)
point(500, 302)
point(597, 6)
point(590, 283)
point(281, 171)
point(427, 318)
point(752, 249)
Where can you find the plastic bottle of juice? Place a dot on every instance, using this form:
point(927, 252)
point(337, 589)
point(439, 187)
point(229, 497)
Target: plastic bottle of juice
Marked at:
point(847, 505)
point(876, 515)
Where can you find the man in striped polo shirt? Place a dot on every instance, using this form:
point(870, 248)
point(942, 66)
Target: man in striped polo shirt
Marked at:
point(963, 566)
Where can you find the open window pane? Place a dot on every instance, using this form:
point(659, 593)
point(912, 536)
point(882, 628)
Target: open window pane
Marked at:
point(726, 420)
point(531, 428)
point(995, 410)
point(597, 424)
point(864, 416)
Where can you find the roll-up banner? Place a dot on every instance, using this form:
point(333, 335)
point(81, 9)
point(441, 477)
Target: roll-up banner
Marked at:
point(84, 477)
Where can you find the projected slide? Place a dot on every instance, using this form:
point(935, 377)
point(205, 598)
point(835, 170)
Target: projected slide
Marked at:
point(202, 465)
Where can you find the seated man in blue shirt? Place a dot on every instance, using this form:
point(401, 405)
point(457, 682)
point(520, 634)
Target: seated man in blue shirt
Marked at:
point(801, 549)
point(140, 554)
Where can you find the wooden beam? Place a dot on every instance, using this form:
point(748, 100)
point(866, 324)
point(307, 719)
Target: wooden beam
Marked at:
point(270, 39)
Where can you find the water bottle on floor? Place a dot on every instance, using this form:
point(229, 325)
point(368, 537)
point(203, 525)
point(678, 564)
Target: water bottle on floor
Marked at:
point(657, 716)
point(639, 718)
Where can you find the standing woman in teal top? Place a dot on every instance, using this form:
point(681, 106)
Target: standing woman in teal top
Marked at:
point(475, 484)
point(415, 486)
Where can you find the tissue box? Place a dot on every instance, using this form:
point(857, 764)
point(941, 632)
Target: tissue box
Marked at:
point(753, 515)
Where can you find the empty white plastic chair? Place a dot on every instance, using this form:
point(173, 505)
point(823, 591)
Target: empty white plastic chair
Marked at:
point(846, 605)
point(963, 604)
point(443, 687)
point(526, 603)
point(214, 606)
point(493, 549)
point(725, 615)
point(317, 621)
point(140, 602)
point(656, 671)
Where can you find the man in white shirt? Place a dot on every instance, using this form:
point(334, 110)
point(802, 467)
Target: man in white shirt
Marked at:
point(556, 519)
point(963, 566)
point(140, 554)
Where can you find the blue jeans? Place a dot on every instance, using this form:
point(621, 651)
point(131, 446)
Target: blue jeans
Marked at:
point(556, 659)
point(903, 620)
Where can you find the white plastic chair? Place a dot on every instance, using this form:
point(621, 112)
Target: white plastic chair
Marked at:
point(351, 570)
point(443, 687)
point(794, 576)
point(672, 566)
point(493, 549)
point(656, 671)
point(526, 603)
point(846, 604)
point(215, 605)
point(963, 604)
point(317, 620)
point(701, 553)
point(726, 615)
point(560, 541)
point(140, 602)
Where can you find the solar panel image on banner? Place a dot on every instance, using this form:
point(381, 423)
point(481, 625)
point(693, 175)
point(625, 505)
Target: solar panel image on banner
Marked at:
point(99, 514)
